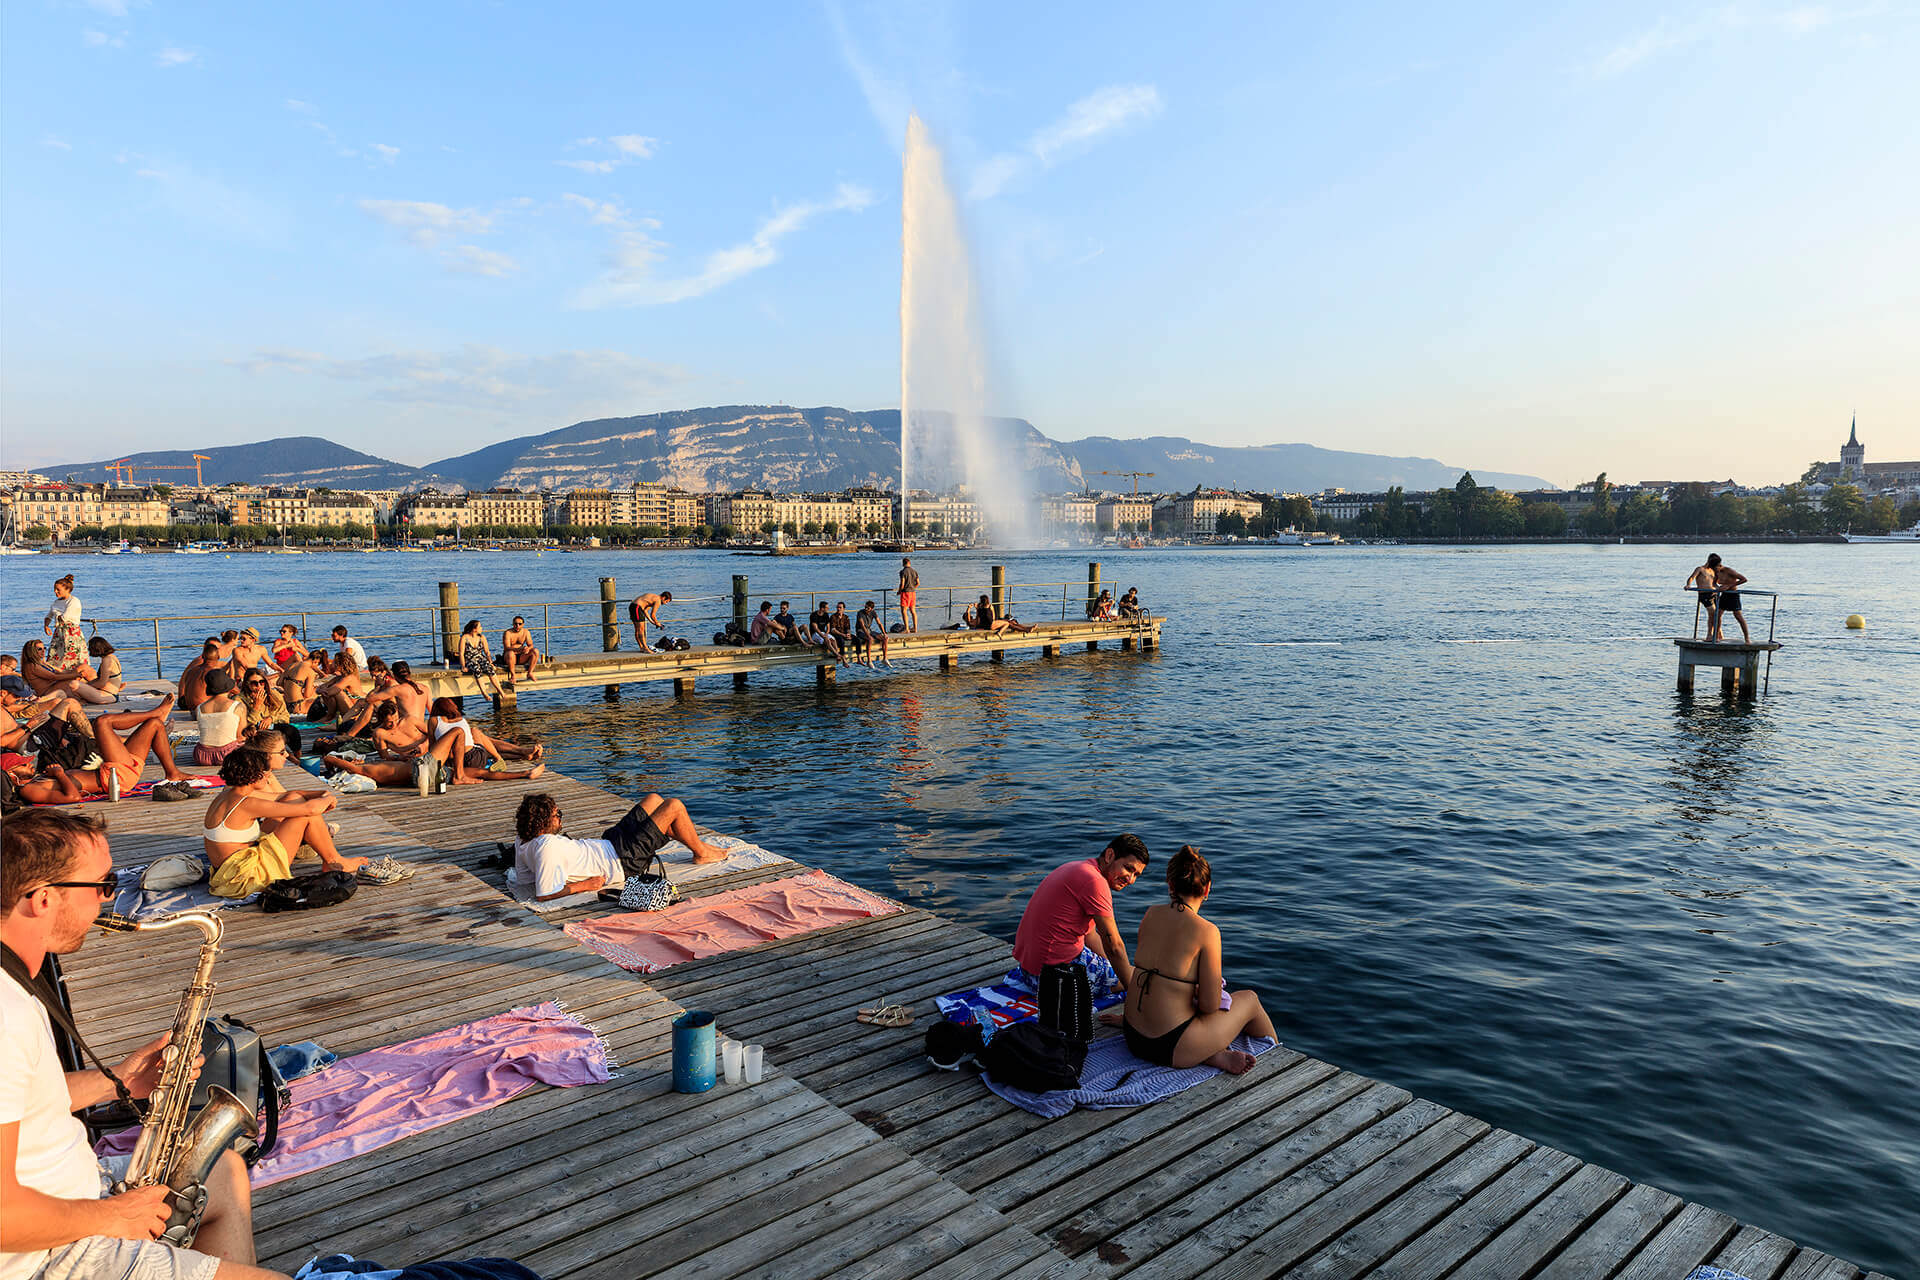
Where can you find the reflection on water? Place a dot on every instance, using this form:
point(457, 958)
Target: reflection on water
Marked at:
point(1675, 936)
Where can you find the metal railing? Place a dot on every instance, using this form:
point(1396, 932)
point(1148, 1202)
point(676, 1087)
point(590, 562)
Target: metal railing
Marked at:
point(1700, 602)
point(187, 632)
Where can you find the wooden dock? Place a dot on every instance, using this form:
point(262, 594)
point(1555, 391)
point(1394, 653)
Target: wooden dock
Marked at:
point(685, 667)
point(853, 1158)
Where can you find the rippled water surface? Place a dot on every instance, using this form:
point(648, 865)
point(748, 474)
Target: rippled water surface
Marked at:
point(1466, 836)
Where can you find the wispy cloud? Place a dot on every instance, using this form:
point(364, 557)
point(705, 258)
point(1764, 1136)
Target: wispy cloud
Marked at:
point(434, 228)
point(58, 144)
point(385, 152)
point(1670, 34)
point(471, 259)
point(630, 279)
point(620, 149)
point(112, 8)
point(1099, 113)
point(304, 108)
point(584, 383)
point(173, 56)
point(101, 40)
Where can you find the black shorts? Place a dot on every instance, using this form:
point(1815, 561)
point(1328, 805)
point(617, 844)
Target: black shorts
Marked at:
point(1707, 597)
point(1729, 602)
point(476, 758)
point(635, 839)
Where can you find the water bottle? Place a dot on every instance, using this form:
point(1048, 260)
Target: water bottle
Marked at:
point(113, 784)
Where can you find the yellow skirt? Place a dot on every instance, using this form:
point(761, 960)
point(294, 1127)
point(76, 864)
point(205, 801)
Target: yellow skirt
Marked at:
point(247, 872)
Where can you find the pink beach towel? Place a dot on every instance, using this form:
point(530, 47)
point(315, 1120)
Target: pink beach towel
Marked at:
point(197, 781)
point(648, 941)
point(362, 1103)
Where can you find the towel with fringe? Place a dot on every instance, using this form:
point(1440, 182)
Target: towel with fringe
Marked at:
point(1112, 1077)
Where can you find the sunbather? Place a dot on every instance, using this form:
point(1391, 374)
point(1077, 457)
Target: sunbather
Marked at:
point(254, 829)
point(556, 864)
point(478, 758)
point(1173, 1013)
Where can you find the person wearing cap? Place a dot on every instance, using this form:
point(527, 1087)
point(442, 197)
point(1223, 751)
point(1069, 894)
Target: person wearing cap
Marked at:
point(249, 654)
point(221, 718)
point(909, 593)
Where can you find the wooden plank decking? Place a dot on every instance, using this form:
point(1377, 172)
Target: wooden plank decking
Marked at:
point(581, 671)
point(853, 1158)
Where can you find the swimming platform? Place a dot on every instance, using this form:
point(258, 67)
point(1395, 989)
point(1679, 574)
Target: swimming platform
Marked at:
point(853, 1158)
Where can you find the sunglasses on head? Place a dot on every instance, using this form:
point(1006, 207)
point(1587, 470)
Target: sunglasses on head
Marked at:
point(109, 885)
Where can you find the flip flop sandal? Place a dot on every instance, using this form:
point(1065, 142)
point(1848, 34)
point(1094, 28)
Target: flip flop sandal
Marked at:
point(887, 1015)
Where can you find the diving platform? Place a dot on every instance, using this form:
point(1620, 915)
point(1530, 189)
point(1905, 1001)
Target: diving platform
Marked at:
point(1739, 662)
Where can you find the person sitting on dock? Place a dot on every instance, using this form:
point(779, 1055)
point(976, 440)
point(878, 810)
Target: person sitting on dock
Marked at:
point(766, 629)
point(644, 609)
point(820, 631)
point(986, 619)
point(516, 646)
point(342, 690)
point(787, 625)
point(348, 645)
point(841, 624)
point(395, 686)
point(1102, 610)
point(476, 659)
point(300, 681)
point(27, 701)
point(556, 864)
point(249, 654)
point(478, 758)
point(1068, 943)
point(126, 757)
point(254, 829)
point(42, 676)
point(107, 678)
point(1173, 1015)
point(221, 719)
point(1130, 604)
point(193, 681)
point(60, 1222)
point(288, 646)
point(866, 631)
point(1728, 580)
point(909, 593)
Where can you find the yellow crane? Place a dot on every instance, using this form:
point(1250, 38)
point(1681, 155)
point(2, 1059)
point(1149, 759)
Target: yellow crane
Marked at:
point(1136, 478)
point(123, 470)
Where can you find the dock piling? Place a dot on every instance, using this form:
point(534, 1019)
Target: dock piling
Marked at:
point(999, 602)
point(609, 627)
point(1093, 594)
point(449, 623)
point(741, 615)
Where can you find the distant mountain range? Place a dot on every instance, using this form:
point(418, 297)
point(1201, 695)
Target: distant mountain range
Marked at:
point(784, 449)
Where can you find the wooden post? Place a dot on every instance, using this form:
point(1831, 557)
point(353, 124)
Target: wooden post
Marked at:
point(999, 601)
point(740, 614)
point(1686, 673)
point(609, 627)
point(946, 662)
point(683, 686)
point(823, 674)
point(1750, 677)
point(1093, 584)
point(449, 622)
point(739, 679)
point(1729, 676)
point(1049, 650)
point(1126, 643)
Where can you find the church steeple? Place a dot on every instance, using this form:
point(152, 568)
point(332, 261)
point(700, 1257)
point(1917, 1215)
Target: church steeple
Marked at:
point(1853, 434)
point(1853, 454)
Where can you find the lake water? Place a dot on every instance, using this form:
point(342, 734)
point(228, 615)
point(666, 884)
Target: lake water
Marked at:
point(1466, 836)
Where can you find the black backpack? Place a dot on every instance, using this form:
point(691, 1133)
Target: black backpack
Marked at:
point(304, 893)
point(1037, 1059)
point(58, 742)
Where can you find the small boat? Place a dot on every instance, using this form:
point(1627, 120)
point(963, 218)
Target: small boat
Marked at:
point(120, 548)
point(1910, 537)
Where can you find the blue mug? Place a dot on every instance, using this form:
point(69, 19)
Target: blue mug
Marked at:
point(693, 1052)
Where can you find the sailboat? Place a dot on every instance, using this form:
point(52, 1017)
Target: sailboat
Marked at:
point(10, 538)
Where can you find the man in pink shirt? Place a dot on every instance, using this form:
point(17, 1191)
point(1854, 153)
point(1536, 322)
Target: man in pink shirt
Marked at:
point(1068, 925)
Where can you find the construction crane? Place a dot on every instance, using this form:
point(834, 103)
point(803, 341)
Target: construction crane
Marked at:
point(1136, 478)
point(124, 469)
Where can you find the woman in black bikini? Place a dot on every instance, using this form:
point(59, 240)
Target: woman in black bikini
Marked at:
point(1173, 1013)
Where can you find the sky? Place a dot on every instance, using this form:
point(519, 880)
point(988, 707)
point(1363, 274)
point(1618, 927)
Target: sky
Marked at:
point(1664, 241)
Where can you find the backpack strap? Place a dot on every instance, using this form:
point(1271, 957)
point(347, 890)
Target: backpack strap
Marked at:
point(16, 968)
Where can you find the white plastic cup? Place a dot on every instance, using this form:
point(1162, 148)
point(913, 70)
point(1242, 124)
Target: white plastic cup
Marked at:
point(755, 1062)
point(730, 1059)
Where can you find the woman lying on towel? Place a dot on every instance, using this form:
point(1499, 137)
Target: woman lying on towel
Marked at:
point(1173, 1013)
point(255, 827)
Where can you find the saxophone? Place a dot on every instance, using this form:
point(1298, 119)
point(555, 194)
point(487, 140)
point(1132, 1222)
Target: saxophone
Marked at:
point(170, 1151)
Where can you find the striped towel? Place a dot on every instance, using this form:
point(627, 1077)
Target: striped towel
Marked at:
point(1112, 1077)
point(1016, 997)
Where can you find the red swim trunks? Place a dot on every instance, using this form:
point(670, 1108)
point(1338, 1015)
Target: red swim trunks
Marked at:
point(907, 599)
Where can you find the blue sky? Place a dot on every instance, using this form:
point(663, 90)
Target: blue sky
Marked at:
point(1665, 241)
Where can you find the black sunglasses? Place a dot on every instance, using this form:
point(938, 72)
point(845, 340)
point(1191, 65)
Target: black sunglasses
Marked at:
point(109, 885)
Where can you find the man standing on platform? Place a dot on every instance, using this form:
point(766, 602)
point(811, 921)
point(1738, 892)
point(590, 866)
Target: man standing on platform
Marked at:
point(909, 594)
point(1728, 580)
point(56, 1221)
point(1068, 944)
point(644, 610)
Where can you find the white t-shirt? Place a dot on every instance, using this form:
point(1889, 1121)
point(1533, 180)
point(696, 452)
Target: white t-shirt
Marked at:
point(549, 862)
point(439, 729)
point(54, 1156)
point(359, 652)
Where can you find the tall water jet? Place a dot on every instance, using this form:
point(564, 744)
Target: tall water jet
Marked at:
point(946, 438)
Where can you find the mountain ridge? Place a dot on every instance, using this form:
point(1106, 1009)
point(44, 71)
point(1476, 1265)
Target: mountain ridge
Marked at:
point(783, 448)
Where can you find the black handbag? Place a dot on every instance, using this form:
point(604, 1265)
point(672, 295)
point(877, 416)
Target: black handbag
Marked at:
point(648, 891)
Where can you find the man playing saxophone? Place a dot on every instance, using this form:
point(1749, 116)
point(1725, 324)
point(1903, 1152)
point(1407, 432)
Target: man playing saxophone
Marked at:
point(57, 1221)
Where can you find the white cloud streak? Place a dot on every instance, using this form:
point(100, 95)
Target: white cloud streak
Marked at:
point(1668, 34)
point(172, 56)
point(559, 385)
point(471, 259)
point(58, 144)
point(630, 279)
point(385, 152)
point(621, 149)
point(1092, 117)
point(426, 223)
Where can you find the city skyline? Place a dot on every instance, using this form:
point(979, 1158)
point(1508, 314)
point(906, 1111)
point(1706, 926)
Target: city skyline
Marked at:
point(1641, 241)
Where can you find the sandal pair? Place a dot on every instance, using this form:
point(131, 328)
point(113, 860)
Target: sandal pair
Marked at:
point(886, 1015)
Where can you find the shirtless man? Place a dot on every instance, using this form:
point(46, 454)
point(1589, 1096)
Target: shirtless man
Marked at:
point(1700, 582)
point(909, 593)
point(1728, 581)
point(644, 610)
point(396, 686)
point(193, 681)
point(517, 648)
point(55, 703)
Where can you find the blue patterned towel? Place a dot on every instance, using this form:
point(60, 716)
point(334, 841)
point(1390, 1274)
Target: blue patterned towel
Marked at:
point(1016, 997)
point(1112, 1077)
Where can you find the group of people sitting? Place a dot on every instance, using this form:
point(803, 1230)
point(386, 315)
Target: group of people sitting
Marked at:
point(1104, 609)
point(1177, 1012)
point(833, 630)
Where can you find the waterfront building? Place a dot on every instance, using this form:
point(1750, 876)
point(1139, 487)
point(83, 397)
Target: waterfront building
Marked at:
point(65, 507)
point(22, 479)
point(589, 508)
point(510, 507)
point(1070, 516)
point(1123, 515)
point(748, 511)
point(432, 510)
point(1197, 514)
point(953, 515)
point(1872, 477)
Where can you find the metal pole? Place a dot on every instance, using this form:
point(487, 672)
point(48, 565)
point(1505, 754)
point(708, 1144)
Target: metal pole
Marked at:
point(546, 630)
point(158, 674)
